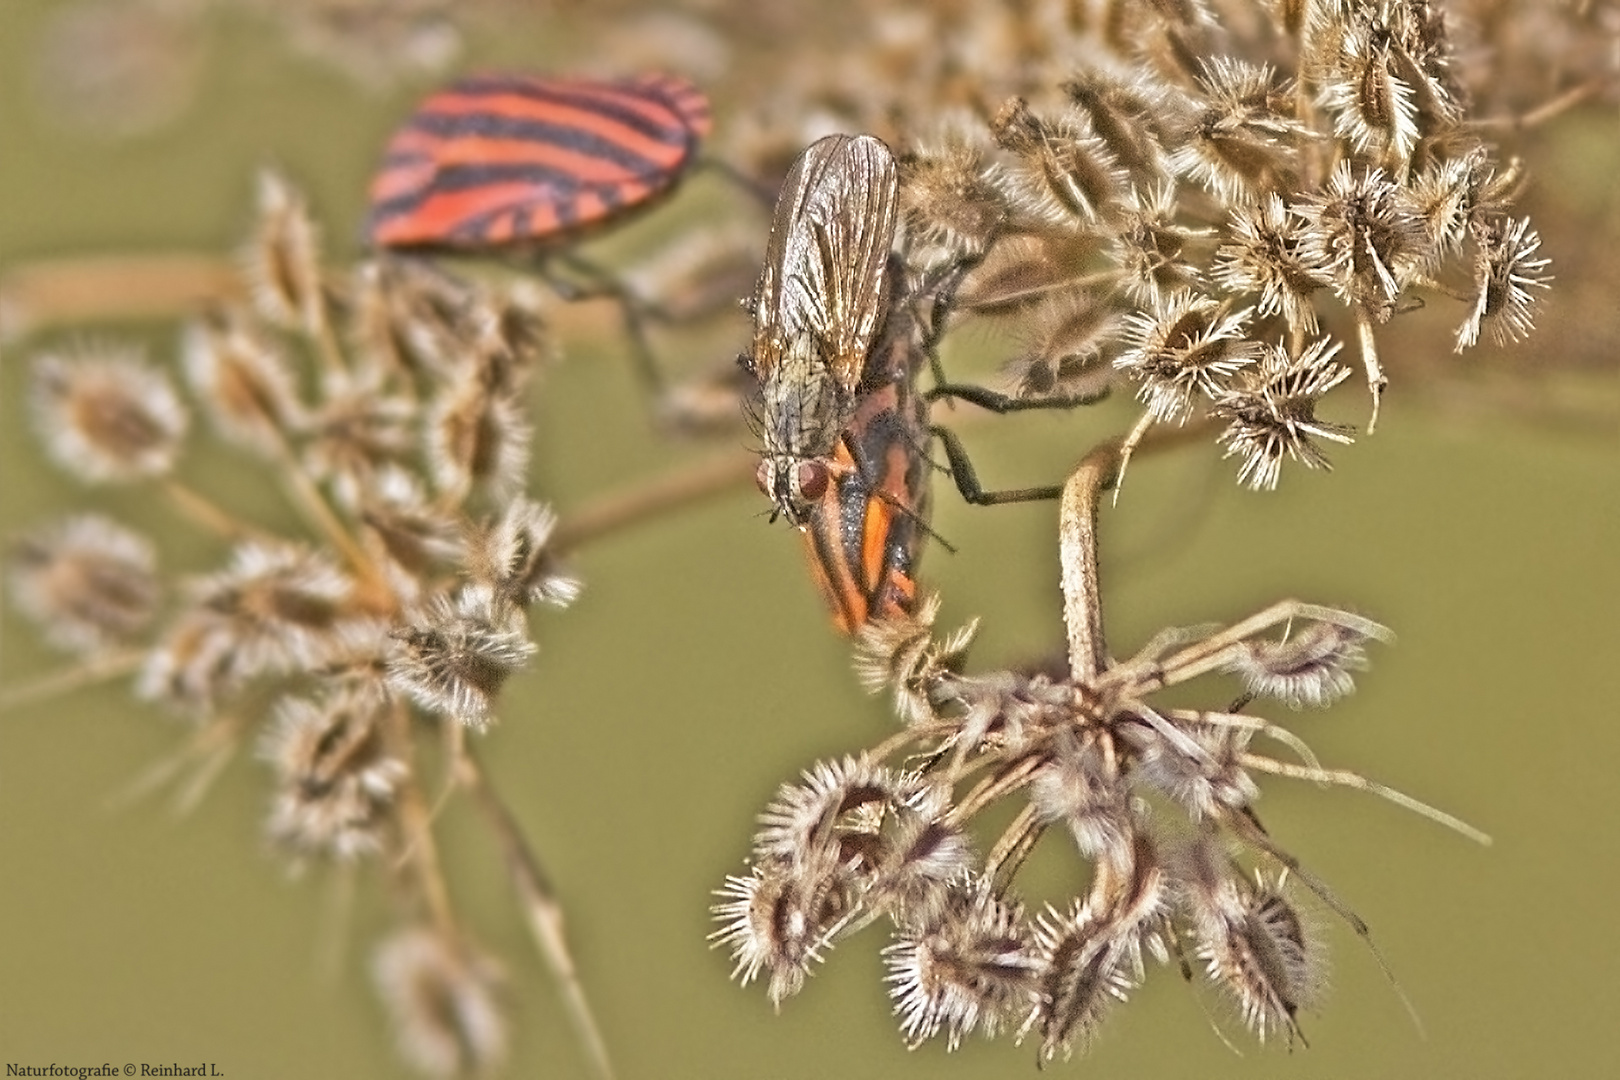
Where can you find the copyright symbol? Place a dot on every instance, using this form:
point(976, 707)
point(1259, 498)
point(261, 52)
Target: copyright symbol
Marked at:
point(129, 1070)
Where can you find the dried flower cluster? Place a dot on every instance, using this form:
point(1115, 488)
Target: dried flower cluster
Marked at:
point(1222, 204)
point(390, 405)
point(1205, 201)
point(1157, 799)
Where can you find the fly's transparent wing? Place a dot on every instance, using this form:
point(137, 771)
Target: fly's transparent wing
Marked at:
point(827, 261)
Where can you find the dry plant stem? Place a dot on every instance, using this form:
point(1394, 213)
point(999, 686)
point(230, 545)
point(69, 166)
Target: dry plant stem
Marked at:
point(1376, 379)
point(1013, 848)
point(1005, 782)
point(98, 669)
point(1212, 652)
point(545, 914)
point(212, 746)
point(644, 501)
point(1549, 110)
point(331, 353)
point(207, 513)
point(420, 851)
point(1345, 778)
point(375, 593)
point(50, 292)
point(1077, 552)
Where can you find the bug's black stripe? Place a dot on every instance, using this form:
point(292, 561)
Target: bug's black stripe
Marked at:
point(611, 104)
point(579, 140)
point(827, 558)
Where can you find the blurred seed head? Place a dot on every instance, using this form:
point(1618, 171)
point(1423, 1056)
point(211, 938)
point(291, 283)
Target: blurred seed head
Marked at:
point(244, 382)
point(453, 656)
point(88, 582)
point(105, 415)
point(510, 556)
point(441, 997)
point(283, 260)
point(336, 773)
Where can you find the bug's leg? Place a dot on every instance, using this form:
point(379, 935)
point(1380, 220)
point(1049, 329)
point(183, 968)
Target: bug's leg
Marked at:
point(997, 402)
point(967, 480)
point(590, 282)
point(762, 193)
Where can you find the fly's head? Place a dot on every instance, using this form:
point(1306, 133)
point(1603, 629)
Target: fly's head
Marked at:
point(801, 413)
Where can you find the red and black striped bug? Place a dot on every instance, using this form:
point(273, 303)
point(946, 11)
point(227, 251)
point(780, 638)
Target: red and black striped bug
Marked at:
point(821, 302)
point(865, 534)
point(515, 161)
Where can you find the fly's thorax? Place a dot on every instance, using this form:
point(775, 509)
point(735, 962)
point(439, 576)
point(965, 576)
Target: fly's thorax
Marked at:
point(803, 409)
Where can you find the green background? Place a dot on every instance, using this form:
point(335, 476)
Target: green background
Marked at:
point(698, 672)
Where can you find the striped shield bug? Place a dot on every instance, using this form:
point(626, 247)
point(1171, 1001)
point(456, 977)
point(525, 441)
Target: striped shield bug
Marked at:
point(502, 161)
point(865, 533)
point(820, 304)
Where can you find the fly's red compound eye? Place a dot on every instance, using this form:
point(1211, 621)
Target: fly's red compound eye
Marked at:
point(765, 477)
point(505, 160)
point(811, 480)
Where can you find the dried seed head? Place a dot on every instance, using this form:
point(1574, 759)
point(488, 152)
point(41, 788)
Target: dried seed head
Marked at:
point(1024, 271)
point(1185, 346)
point(1371, 105)
point(358, 430)
point(1310, 667)
point(510, 556)
point(1083, 973)
point(88, 582)
point(1151, 246)
point(193, 665)
point(453, 657)
point(1195, 765)
point(1505, 270)
point(1238, 140)
point(106, 415)
point(477, 437)
point(1009, 708)
point(1273, 413)
point(1064, 174)
point(441, 996)
point(1445, 198)
point(902, 653)
point(417, 535)
point(283, 262)
point(778, 919)
point(1266, 255)
point(246, 384)
point(947, 196)
point(1257, 947)
point(1081, 788)
point(922, 852)
point(1063, 358)
point(1121, 106)
point(804, 820)
point(336, 774)
point(970, 968)
point(1365, 236)
point(287, 609)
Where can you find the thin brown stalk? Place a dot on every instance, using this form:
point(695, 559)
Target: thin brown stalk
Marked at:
point(545, 914)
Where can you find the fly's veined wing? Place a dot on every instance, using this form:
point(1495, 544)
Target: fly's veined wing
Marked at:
point(828, 256)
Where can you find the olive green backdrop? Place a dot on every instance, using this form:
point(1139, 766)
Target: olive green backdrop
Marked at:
point(698, 672)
